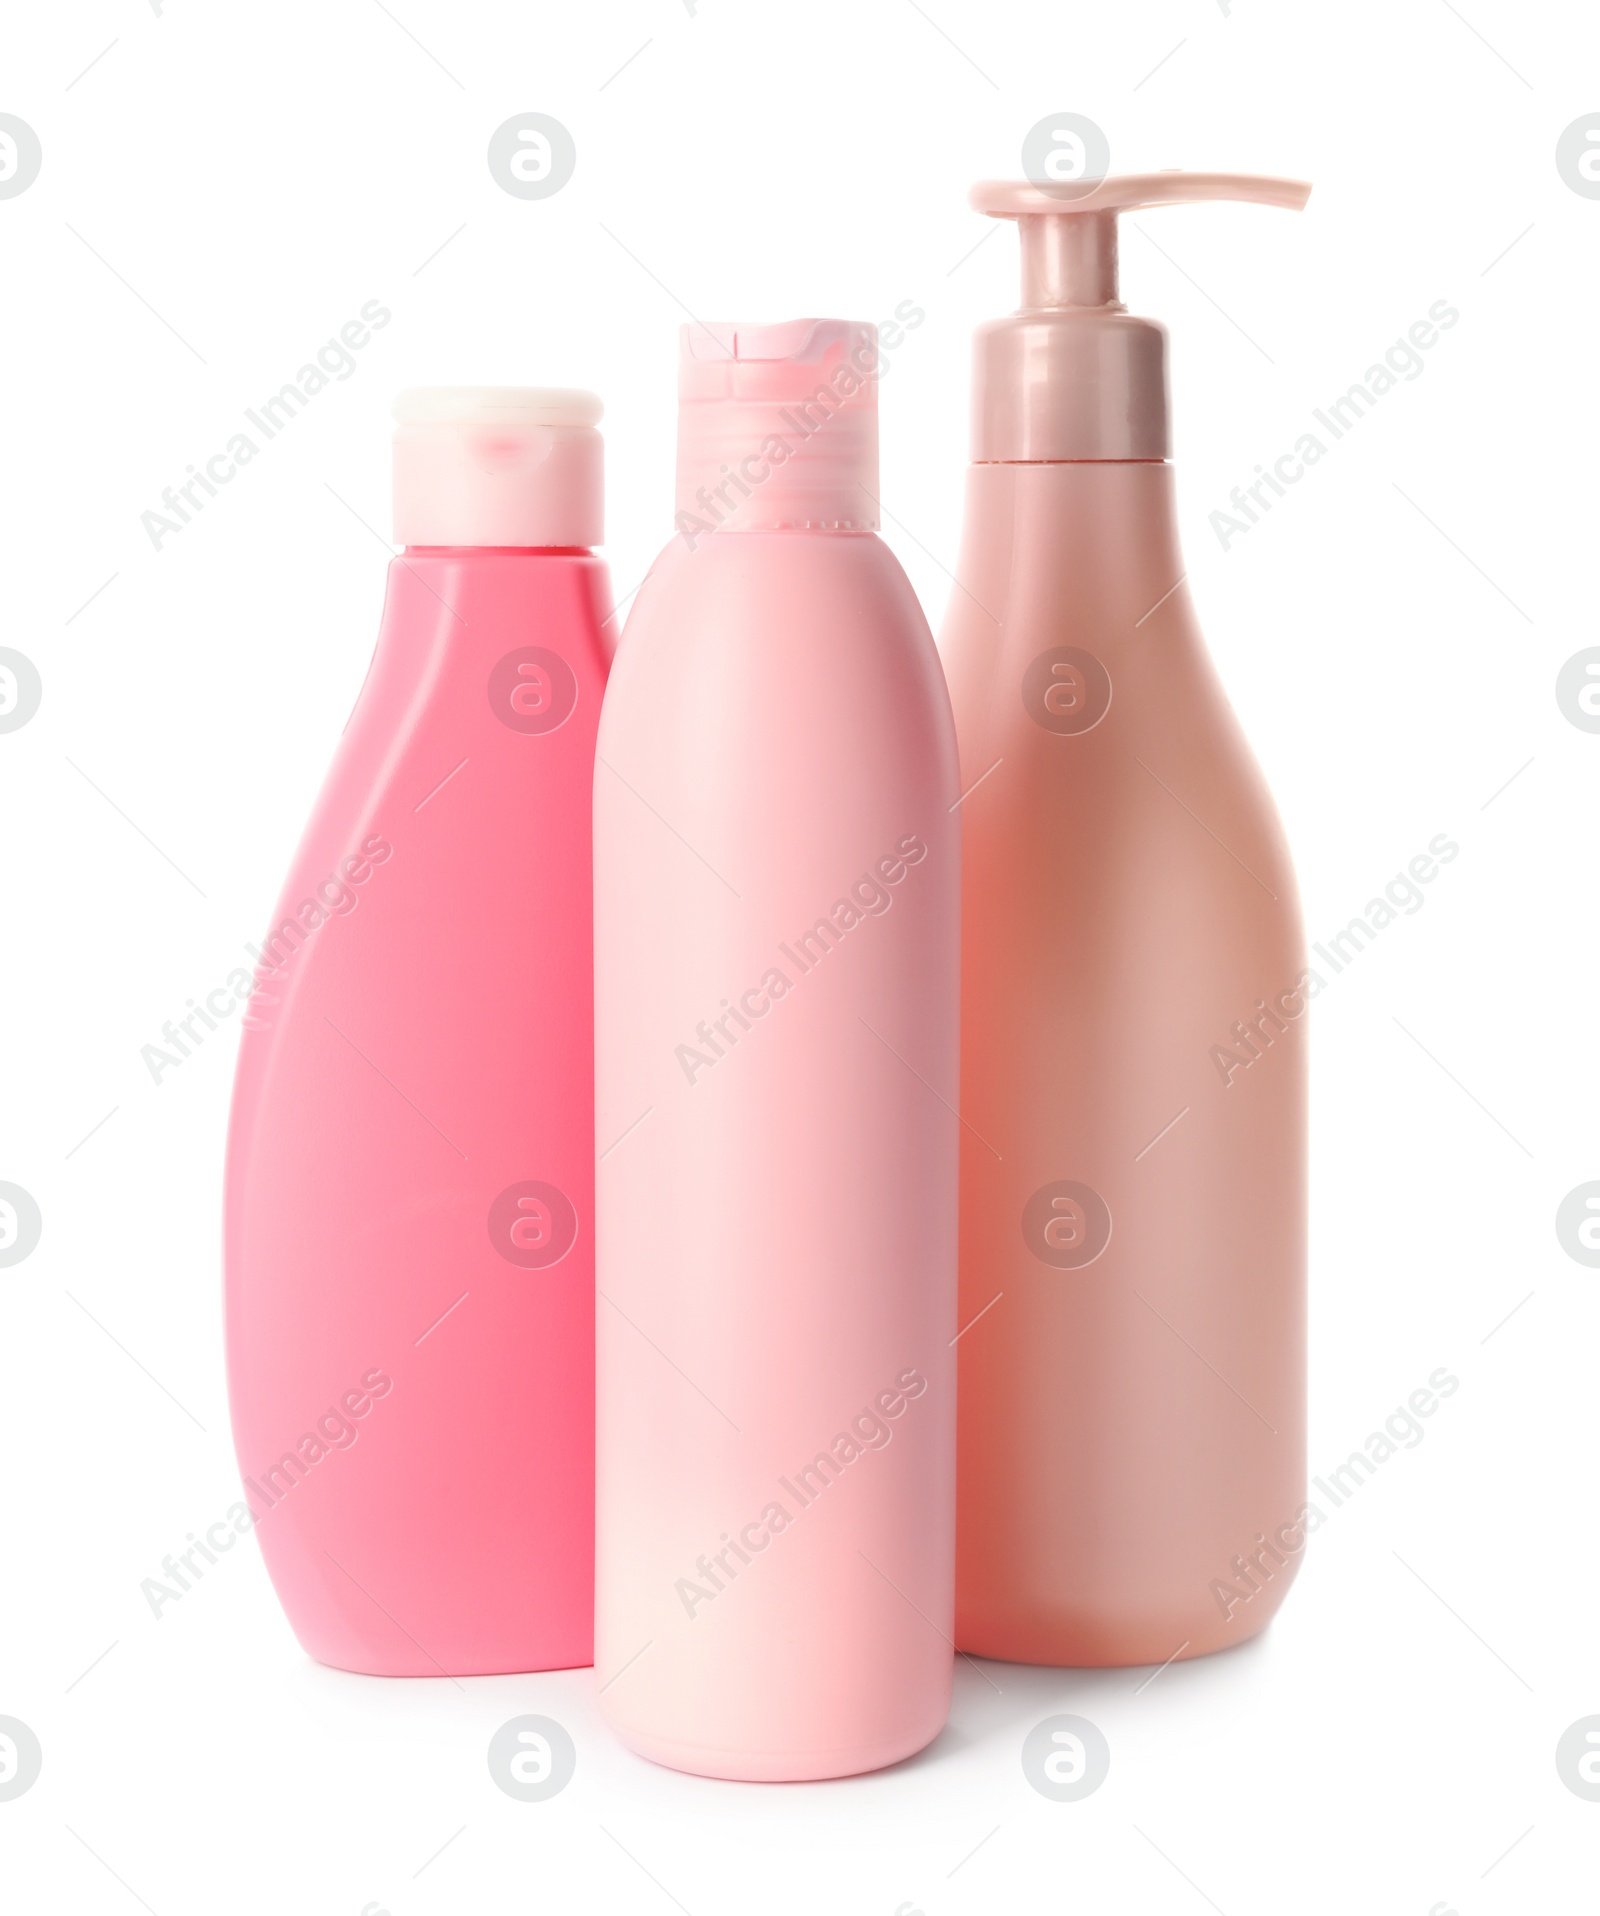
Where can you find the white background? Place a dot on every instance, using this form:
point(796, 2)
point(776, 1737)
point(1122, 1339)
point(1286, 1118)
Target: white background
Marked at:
point(221, 191)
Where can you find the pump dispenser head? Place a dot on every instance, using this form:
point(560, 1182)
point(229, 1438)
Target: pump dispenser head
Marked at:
point(1073, 375)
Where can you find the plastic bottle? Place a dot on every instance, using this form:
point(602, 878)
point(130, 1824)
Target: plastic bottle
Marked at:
point(1133, 1177)
point(409, 1229)
point(776, 924)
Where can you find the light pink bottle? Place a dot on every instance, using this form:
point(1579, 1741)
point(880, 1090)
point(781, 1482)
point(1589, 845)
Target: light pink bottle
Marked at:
point(1134, 995)
point(409, 1231)
point(776, 924)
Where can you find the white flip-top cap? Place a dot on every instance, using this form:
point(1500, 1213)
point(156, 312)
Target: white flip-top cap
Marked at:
point(498, 466)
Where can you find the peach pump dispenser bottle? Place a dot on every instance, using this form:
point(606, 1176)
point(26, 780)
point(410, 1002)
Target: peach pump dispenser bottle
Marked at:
point(409, 1241)
point(776, 997)
point(1134, 989)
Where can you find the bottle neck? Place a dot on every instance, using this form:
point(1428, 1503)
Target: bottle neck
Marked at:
point(1098, 535)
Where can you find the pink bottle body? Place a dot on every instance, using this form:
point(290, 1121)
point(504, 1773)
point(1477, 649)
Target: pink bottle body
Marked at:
point(1133, 1175)
point(409, 1241)
point(776, 1084)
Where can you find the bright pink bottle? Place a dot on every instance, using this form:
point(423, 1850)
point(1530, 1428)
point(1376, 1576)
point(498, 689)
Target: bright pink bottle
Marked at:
point(409, 1216)
point(776, 926)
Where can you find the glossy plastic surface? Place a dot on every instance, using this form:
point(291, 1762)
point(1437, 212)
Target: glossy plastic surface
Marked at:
point(776, 927)
point(1133, 1180)
point(409, 1237)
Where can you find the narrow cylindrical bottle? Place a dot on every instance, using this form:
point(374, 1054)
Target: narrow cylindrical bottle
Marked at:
point(409, 1231)
point(1134, 1012)
point(776, 924)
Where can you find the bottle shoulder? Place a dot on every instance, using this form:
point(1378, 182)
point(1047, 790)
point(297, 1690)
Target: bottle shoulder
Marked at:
point(794, 591)
point(772, 654)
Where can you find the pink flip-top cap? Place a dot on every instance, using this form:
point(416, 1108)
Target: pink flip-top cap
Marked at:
point(778, 426)
point(498, 466)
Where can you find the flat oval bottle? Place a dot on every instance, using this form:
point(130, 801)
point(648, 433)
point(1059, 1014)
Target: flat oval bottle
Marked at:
point(409, 1210)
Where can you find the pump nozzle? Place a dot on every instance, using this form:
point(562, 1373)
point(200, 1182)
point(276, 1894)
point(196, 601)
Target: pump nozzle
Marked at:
point(1071, 375)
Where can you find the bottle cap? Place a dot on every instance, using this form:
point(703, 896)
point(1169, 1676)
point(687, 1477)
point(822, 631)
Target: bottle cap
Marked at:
point(778, 426)
point(1073, 375)
point(498, 466)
